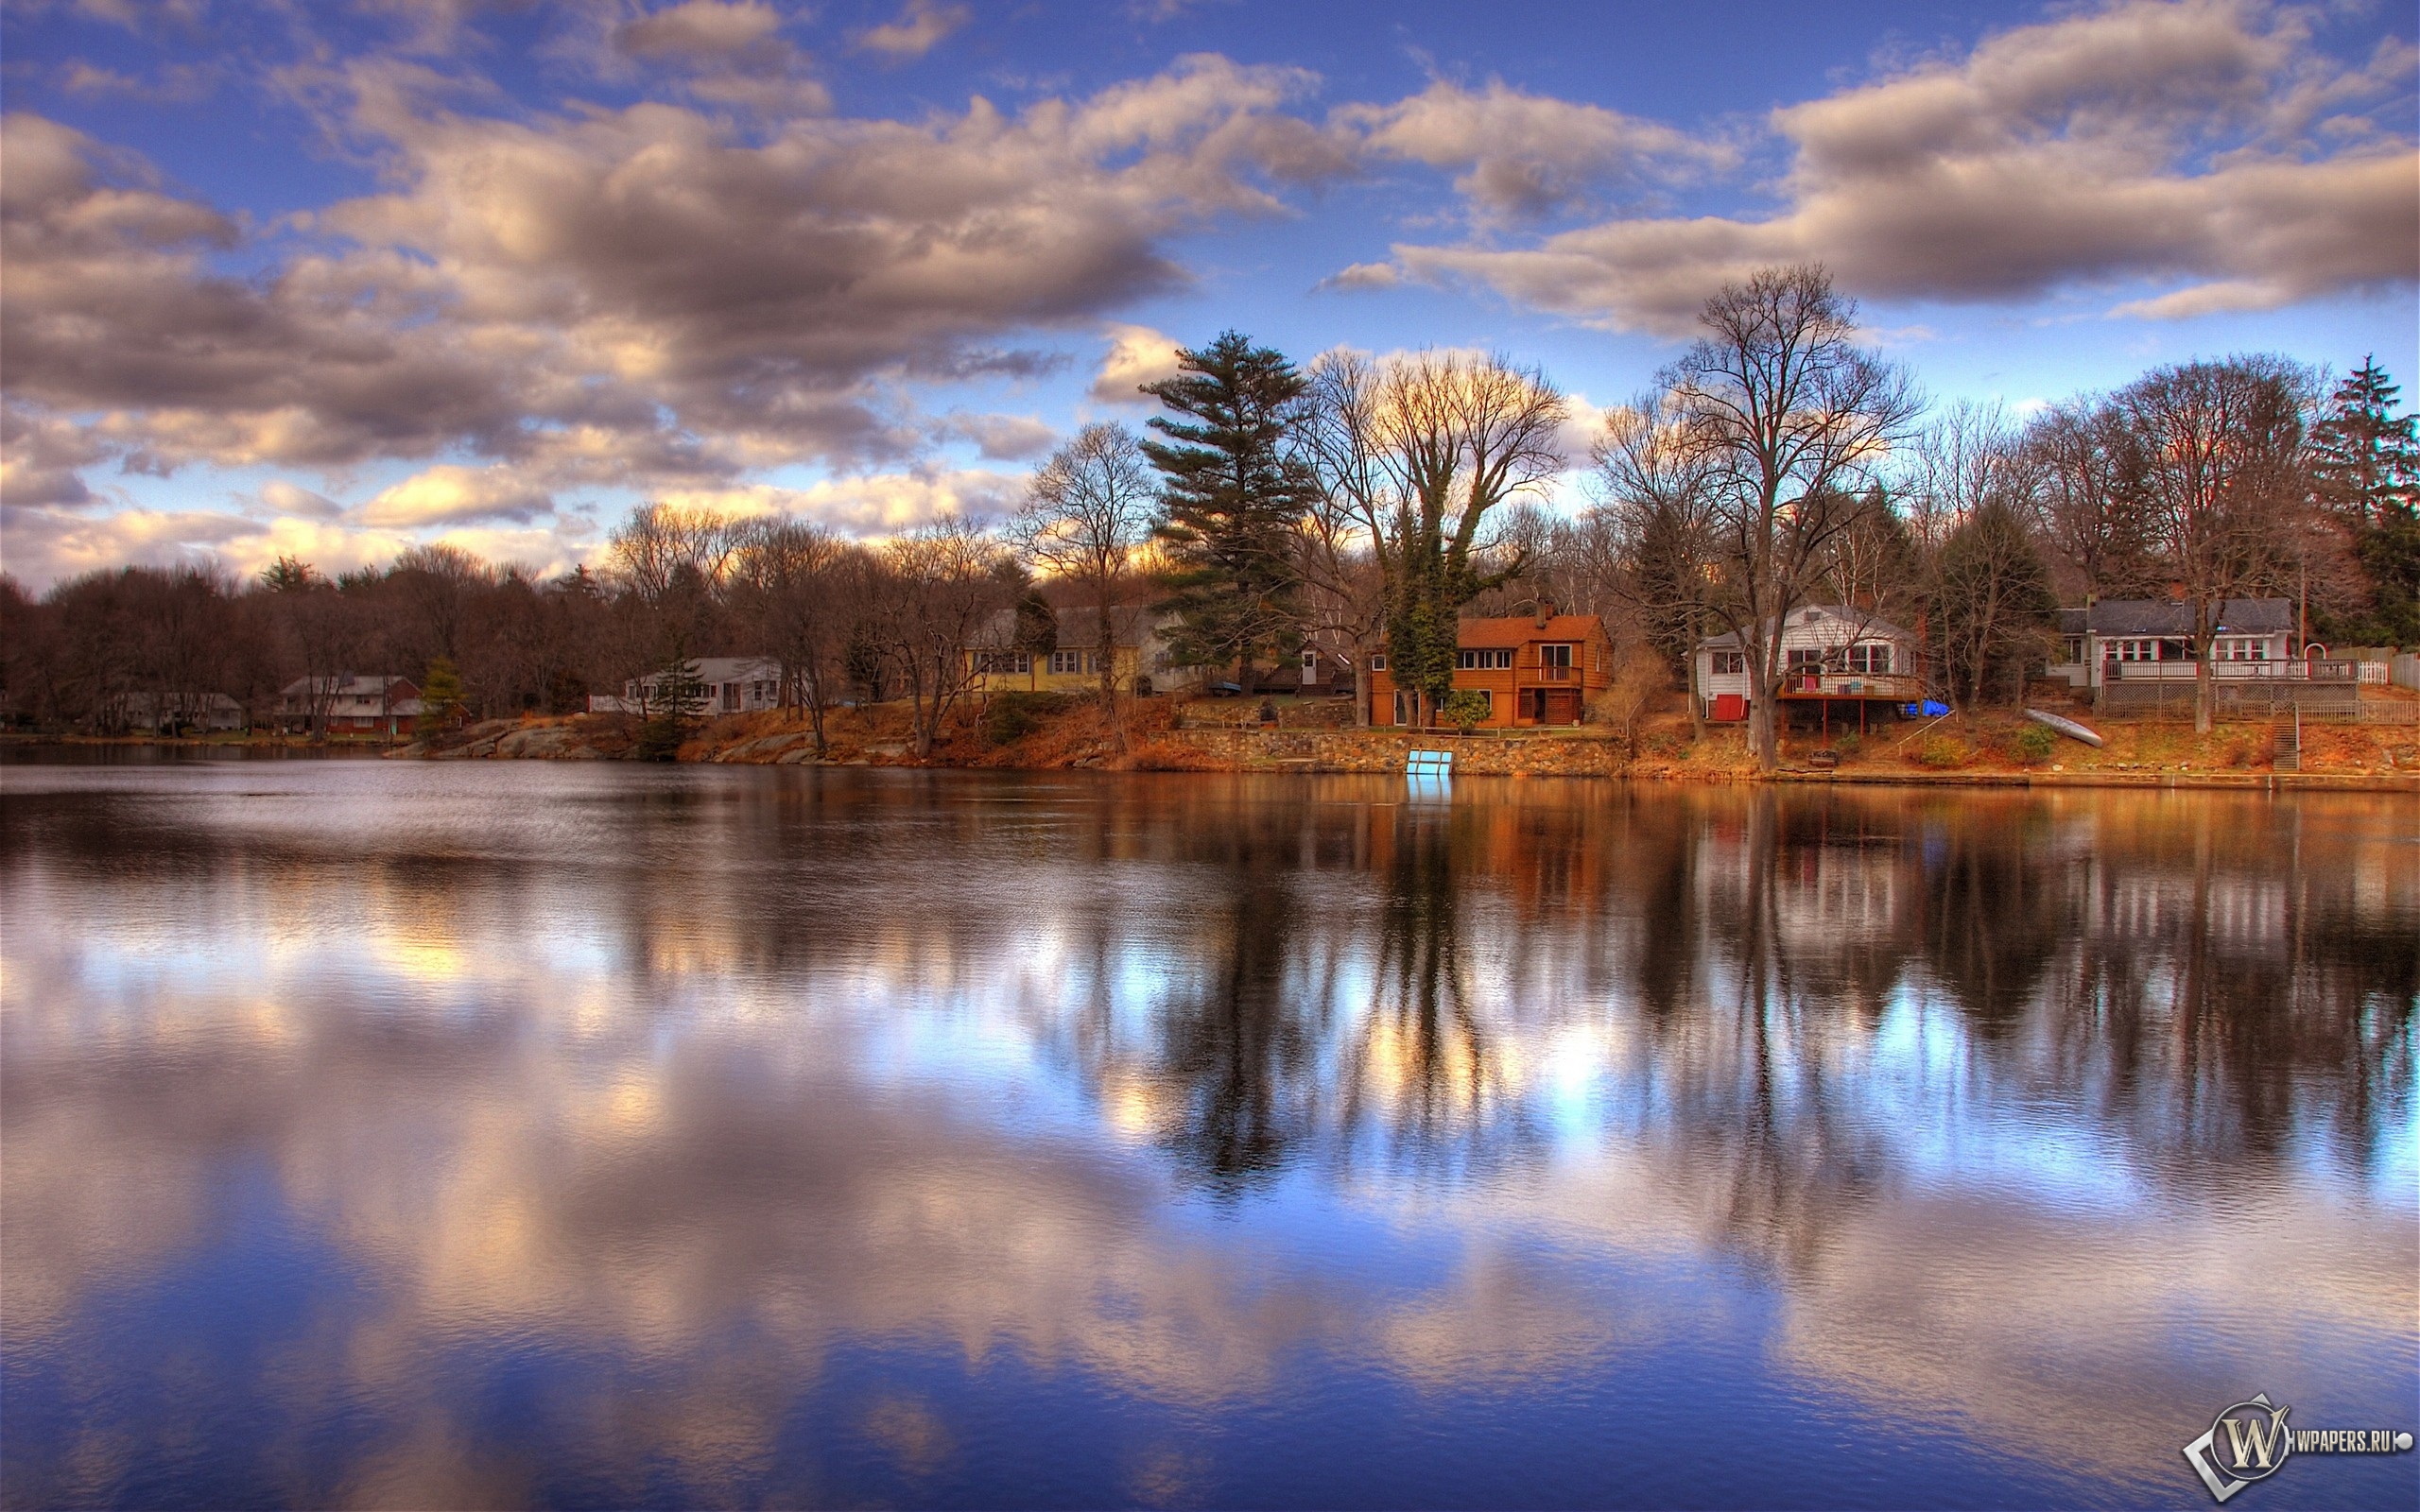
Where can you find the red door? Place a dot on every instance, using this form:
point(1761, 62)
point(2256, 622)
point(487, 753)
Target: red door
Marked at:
point(1730, 708)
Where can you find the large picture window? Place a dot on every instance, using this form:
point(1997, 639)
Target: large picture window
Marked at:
point(1003, 663)
point(1872, 657)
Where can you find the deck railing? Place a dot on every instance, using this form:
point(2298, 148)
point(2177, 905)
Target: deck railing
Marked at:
point(2344, 672)
point(1900, 687)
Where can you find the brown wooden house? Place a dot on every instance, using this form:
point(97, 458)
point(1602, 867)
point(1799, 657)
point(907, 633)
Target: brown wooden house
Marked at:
point(1535, 669)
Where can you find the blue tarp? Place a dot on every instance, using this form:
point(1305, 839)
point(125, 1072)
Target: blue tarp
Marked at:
point(1929, 709)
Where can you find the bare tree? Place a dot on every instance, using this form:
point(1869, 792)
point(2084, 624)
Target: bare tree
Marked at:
point(1790, 419)
point(1444, 438)
point(1992, 595)
point(2087, 496)
point(1653, 488)
point(941, 582)
point(671, 563)
point(790, 580)
point(2223, 483)
point(1086, 513)
point(1639, 675)
point(1352, 501)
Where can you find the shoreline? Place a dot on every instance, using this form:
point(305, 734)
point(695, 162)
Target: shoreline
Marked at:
point(1238, 751)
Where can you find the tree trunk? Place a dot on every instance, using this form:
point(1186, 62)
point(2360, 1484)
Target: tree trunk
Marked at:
point(2206, 687)
point(1764, 688)
point(1108, 653)
point(1689, 679)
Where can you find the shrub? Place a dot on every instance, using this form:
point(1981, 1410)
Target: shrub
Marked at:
point(2035, 742)
point(1464, 708)
point(1942, 753)
point(660, 738)
point(1012, 716)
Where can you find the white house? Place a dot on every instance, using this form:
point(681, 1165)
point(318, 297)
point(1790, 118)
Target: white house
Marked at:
point(732, 684)
point(169, 714)
point(1834, 659)
point(2136, 639)
point(383, 703)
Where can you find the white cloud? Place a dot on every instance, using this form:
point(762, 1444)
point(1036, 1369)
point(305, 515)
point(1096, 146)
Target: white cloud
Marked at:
point(882, 504)
point(1525, 154)
point(447, 495)
point(1364, 276)
point(1137, 355)
point(2200, 142)
point(292, 498)
point(679, 295)
point(920, 29)
point(1001, 437)
point(697, 29)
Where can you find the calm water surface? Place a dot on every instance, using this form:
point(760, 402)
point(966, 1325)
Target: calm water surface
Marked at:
point(470, 1135)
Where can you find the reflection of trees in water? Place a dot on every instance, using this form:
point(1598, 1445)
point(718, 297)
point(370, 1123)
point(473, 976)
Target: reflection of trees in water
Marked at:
point(1743, 1084)
point(1256, 973)
point(1424, 1077)
point(1234, 1056)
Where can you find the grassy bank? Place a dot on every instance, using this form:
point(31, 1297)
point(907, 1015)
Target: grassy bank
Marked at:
point(1985, 747)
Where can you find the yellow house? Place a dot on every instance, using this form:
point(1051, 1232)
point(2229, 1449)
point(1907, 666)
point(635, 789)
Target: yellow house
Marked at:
point(1075, 666)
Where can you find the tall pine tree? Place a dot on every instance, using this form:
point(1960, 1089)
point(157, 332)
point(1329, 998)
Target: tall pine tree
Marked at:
point(2365, 470)
point(2364, 459)
point(1230, 498)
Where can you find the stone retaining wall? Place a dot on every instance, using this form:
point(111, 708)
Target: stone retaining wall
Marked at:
point(1378, 750)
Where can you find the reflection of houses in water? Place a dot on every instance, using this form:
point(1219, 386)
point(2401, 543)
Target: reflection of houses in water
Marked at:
point(2230, 911)
point(1826, 893)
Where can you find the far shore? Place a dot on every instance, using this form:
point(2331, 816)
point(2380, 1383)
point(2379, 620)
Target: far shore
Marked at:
point(1978, 749)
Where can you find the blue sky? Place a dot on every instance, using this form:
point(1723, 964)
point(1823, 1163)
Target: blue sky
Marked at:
point(333, 279)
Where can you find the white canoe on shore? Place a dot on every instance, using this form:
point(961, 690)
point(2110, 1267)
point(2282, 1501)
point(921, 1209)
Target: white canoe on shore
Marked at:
point(2064, 726)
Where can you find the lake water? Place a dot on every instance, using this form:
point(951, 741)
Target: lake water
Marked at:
point(375, 1133)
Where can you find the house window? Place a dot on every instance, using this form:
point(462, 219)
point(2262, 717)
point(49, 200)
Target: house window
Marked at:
point(1554, 663)
point(1003, 663)
point(1806, 661)
point(1730, 664)
point(2133, 650)
point(1468, 661)
point(1074, 662)
point(1378, 663)
point(1872, 657)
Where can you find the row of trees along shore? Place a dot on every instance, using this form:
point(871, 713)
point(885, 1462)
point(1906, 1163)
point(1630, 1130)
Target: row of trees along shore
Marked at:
point(1360, 506)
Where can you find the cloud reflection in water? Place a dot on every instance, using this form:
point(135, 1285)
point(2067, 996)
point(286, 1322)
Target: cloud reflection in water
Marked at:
point(446, 1136)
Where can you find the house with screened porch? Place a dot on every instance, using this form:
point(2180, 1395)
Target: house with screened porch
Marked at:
point(1841, 666)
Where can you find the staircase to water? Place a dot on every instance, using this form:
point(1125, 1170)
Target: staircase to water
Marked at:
point(2286, 740)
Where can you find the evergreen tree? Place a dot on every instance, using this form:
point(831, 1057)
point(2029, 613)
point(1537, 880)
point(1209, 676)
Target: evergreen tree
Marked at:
point(1036, 626)
point(2365, 471)
point(1229, 500)
point(2364, 460)
point(440, 697)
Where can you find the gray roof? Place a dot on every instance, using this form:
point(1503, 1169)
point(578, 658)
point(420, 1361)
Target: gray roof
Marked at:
point(2166, 616)
point(1869, 626)
point(1129, 624)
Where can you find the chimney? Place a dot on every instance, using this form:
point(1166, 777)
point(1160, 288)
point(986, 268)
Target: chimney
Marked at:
point(2176, 593)
point(1546, 611)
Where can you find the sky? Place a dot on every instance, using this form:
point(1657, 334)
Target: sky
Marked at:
point(333, 279)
